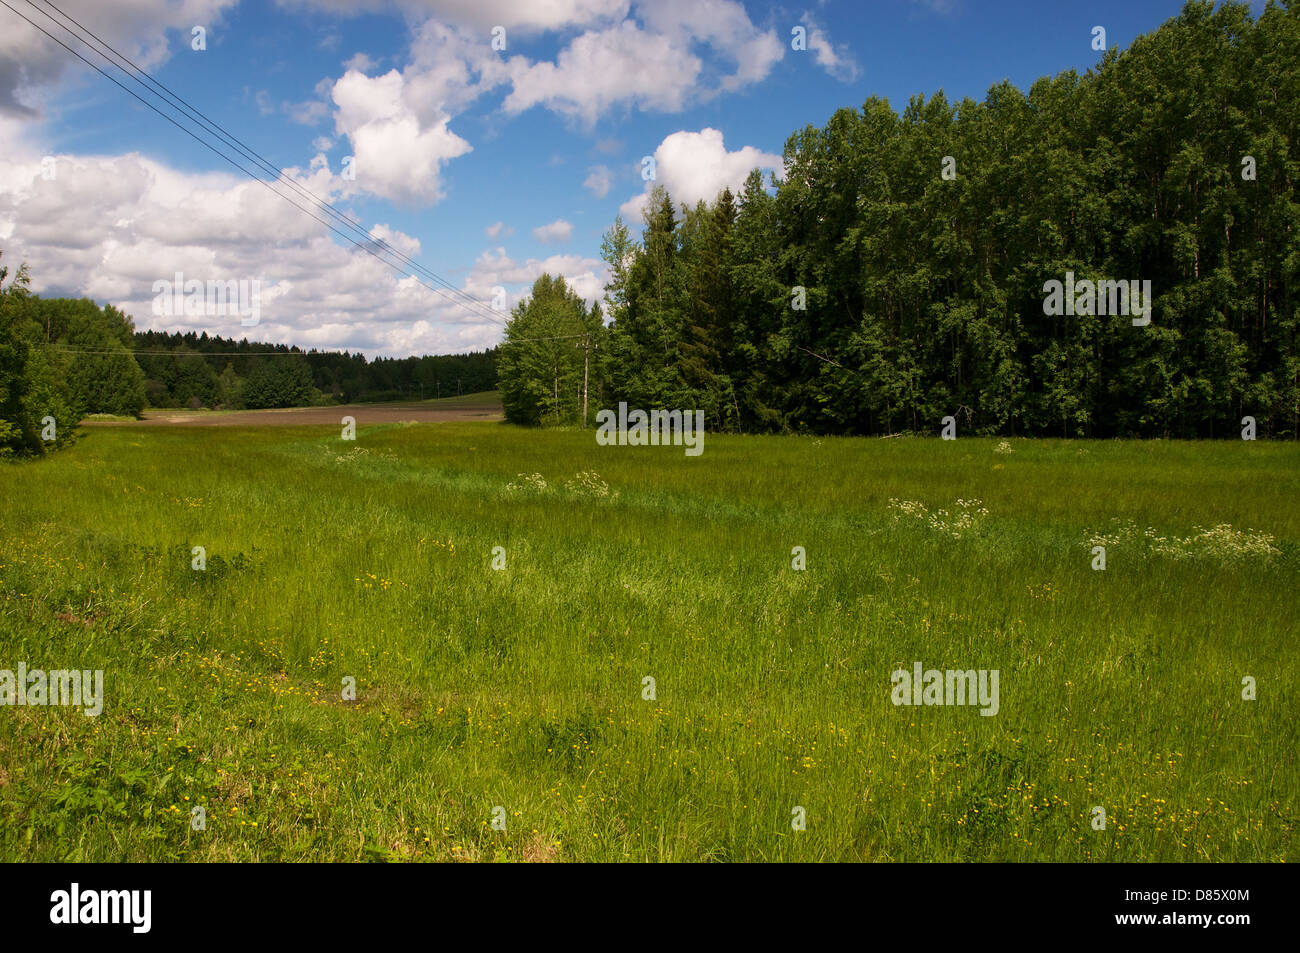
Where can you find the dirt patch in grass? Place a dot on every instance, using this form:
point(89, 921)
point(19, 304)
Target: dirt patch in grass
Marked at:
point(431, 412)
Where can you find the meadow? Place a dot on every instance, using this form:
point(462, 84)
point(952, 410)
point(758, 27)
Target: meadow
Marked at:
point(518, 696)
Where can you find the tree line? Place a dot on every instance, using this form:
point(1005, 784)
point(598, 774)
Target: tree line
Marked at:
point(898, 272)
point(64, 359)
point(189, 370)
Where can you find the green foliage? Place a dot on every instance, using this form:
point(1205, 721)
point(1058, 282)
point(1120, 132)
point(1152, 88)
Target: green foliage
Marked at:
point(924, 293)
point(32, 392)
point(279, 382)
point(89, 350)
point(541, 361)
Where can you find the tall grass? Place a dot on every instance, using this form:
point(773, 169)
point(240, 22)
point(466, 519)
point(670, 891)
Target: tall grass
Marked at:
point(524, 688)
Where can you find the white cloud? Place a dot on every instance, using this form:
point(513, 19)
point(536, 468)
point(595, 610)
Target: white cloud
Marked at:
point(585, 275)
point(108, 227)
point(406, 244)
point(600, 69)
point(29, 61)
point(557, 231)
point(361, 62)
point(696, 166)
point(527, 16)
point(399, 122)
point(724, 25)
point(599, 181)
point(648, 66)
point(398, 154)
point(312, 111)
point(837, 61)
point(307, 113)
point(499, 229)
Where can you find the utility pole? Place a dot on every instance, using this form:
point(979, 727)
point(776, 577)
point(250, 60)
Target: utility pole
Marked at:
point(586, 360)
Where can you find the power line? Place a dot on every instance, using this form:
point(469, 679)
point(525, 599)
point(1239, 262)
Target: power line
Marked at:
point(558, 337)
point(178, 352)
point(181, 353)
point(227, 138)
point(482, 310)
point(248, 152)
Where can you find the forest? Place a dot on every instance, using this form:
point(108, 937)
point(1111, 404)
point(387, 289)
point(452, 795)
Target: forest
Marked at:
point(222, 372)
point(899, 271)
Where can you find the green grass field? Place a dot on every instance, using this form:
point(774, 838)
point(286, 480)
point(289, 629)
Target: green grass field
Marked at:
point(523, 688)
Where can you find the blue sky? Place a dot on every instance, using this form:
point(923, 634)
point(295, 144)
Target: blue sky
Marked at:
point(461, 152)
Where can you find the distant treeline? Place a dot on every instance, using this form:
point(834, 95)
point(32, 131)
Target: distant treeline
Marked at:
point(63, 359)
point(198, 370)
point(898, 272)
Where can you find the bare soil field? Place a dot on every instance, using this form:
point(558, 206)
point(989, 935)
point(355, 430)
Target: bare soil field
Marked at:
point(427, 412)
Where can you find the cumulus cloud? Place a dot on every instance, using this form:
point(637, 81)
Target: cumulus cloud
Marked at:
point(557, 231)
point(586, 276)
point(696, 166)
point(499, 229)
point(624, 64)
point(527, 17)
point(399, 122)
point(647, 65)
point(29, 61)
point(599, 181)
point(533, 16)
point(724, 25)
point(108, 227)
point(398, 153)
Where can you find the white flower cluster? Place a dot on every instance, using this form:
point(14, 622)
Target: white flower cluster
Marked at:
point(589, 483)
point(528, 482)
point(1221, 542)
point(586, 484)
point(1003, 448)
point(968, 516)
